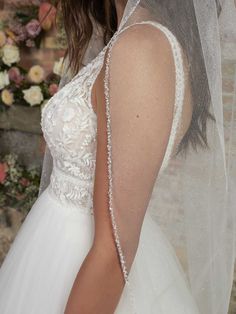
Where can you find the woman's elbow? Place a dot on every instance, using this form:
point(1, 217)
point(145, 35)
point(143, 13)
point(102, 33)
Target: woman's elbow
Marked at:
point(106, 252)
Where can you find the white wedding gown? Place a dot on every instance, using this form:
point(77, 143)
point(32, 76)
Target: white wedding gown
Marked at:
point(44, 259)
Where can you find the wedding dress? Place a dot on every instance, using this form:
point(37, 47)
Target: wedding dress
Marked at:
point(44, 259)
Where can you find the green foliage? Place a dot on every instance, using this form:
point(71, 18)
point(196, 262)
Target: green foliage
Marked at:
point(18, 185)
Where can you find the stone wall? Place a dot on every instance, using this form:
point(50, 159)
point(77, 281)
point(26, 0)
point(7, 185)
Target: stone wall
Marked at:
point(21, 138)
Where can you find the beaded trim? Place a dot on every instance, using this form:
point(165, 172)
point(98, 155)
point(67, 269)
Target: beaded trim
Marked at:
point(109, 162)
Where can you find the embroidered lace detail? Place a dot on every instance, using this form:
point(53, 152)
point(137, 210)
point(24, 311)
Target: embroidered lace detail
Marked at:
point(69, 189)
point(69, 124)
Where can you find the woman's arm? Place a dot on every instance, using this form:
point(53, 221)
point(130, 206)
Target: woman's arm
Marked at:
point(143, 91)
point(99, 283)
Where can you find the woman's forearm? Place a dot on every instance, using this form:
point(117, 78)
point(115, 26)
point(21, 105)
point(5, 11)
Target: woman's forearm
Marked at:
point(98, 285)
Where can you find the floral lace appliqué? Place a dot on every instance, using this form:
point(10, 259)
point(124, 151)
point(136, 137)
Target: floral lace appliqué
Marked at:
point(69, 125)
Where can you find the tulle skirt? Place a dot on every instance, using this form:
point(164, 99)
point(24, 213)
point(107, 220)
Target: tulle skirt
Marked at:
point(44, 259)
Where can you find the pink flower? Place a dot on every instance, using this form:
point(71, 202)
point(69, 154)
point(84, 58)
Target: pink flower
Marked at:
point(47, 14)
point(18, 30)
point(33, 28)
point(53, 88)
point(15, 75)
point(21, 34)
point(3, 172)
point(25, 182)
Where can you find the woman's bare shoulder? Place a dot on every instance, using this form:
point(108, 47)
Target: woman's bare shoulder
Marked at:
point(140, 40)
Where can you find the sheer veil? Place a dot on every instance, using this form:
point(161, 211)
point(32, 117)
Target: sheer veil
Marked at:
point(200, 183)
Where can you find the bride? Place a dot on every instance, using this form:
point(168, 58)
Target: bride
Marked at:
point(136, 216)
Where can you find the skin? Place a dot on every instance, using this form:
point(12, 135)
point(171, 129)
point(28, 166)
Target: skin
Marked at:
point(99, 283)
point(106, 278)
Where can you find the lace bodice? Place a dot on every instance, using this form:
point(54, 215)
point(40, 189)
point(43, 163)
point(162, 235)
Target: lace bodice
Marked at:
point(69, 124)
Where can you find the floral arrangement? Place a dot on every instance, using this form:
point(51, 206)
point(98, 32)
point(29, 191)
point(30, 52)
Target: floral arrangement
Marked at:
point(25, 27)
point(30, 20)
point(18, 186)
point(20, 86)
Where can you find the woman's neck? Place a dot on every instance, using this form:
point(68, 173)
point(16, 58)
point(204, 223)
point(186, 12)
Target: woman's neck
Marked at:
point(120, 7)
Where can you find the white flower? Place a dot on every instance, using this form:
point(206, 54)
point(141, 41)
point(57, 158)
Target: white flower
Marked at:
point(58, 67)
point(7, 97)
point(10, 54)
point(33, 95)
point(36, 74)
point(4, 79)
